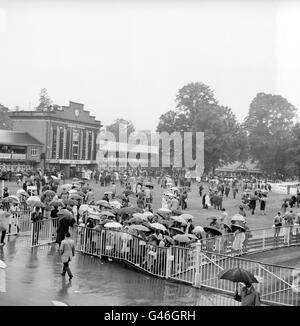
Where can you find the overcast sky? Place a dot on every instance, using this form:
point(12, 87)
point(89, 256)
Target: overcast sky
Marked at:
point(127, 59)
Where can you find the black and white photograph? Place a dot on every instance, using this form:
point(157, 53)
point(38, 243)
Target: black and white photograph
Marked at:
point(149, 155)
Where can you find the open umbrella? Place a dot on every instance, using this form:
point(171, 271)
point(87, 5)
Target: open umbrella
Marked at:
point(130, 210)
point(187, 217)
point(76, 179)
point(198, 229)
point(238, 217)
point(115, 204)
point(149, 184)
point(103, 203)
point(66, 187)
point(54, 177)
point(238, 275)
point(135, 220)
point(22, 192)
point(108, 193)
point(64, 213)
point(32, 199)
point(113, 225)
point(69, 202)
point(177, 230)
point(164, 210)
point(75, 196)
point(166, 223)
point(179, 219)
point(139, 227)
point(192, 236)
point(169, 239)
point(49, 193)
point(147, 214)
point(72, 191)
point(212, 230)
point(176, 212)
point(235, 227)
point(38, 204)
point(57, 203)
point(182, 238)
point(157, 226)
point(140, 216)
point(14, 199)
point(107, 213)
point(248, 190)
point(83, 208)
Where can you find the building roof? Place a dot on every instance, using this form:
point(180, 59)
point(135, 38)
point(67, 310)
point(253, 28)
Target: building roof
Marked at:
point(239, 167)
point(74, 112)
point(8, 137)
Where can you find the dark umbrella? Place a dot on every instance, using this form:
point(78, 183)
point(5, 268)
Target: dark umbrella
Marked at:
point(169, 239)
point(177, 230)
point(235, 227)
point(49, 193)
point(69, 202)
point(176, 212)
point(238, 275)
point(212, 230)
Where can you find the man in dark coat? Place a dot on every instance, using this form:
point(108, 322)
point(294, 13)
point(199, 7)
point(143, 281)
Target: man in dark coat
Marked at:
point(63, 227)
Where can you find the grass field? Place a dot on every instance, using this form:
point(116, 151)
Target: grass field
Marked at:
point(273, 204)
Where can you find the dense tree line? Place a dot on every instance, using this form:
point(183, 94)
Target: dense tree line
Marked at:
point(269, 135)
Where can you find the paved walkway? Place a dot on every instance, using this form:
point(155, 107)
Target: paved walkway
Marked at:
point(33, 278)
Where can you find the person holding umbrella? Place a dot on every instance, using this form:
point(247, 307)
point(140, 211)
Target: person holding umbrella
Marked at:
point(248, 295)
point(239, 238)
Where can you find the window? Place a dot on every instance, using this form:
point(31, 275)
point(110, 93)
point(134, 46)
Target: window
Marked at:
point(54, 137)
point(34, 151)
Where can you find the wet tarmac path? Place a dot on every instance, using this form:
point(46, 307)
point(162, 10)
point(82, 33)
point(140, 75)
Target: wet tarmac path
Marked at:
point(33, 278)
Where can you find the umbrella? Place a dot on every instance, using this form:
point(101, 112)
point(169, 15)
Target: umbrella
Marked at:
point(103, 203)
point(238, 217)
point(38, 204)
point(57, 203)
point(176, 212)
point(18, 175)
point(192, 236)
point(247, 190)
point(54, 177)
point(237, 275)
point(13, 199)
point(187, 217)
point(49, 193)
point(198, 229)
point(32, 199)
point(164, 210)
point(179, 219)
point(139, 228)
point(83, 208)
point(177, 230)
point(107, 213)
point(115, 204)
point(212, 230)
point(213, 218)
point(66, 186)
point(76, 179)
point(166, 223)
point(147, 214)
point(113, 225)
point(149, 184)
point(140, 216)
point(228, 226)
point(22, 192)
point(130, 210)
point(5, 200)
point(158, 226)
point(64, 213)
point(75, 196)
point(108, 193)
point(69, 202)
point(135, 220)
point(169, 239)
point(183, 238)
point(234, 227)
point(72, 191)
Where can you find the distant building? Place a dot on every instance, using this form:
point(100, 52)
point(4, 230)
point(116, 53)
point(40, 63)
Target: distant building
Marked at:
point(239, 169)
point(19, 151)
point(68, 135)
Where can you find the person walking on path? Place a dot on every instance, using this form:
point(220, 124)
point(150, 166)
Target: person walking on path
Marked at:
point(248, 296)
point(4, 224)
point(67, 251)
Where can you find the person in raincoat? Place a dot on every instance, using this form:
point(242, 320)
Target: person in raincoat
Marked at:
point(4, 222)
point(63, 227)
point(248, 296)
point(239, 238)
point(67, 251)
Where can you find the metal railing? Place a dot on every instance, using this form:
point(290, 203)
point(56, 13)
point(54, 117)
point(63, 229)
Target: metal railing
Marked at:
point(20, 223)
point(194, 265)
point(256, 240)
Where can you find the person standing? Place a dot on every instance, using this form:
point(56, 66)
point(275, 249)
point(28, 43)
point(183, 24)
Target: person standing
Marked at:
point(4, 224)
point(277, 225)
point(67, 251)
point(36, 216)
point(248, 296)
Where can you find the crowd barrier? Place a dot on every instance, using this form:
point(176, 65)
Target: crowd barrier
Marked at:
point(20, 223)
point(194, 265)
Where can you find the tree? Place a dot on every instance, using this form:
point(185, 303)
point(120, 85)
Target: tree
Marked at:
point(5, 121)
point(45, 101)
point(269, 126)
point(197, 110)
point(114, 127)
point(292, 153)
